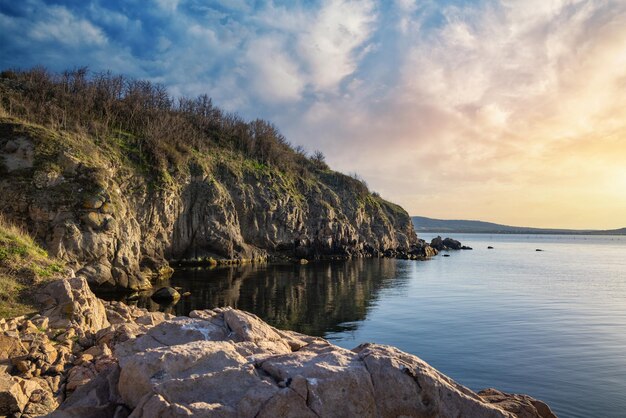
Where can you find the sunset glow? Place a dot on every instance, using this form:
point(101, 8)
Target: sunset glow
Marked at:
point(505, 111)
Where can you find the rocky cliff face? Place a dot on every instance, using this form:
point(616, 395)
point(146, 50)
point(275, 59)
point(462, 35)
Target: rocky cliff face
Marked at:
point(95, 203)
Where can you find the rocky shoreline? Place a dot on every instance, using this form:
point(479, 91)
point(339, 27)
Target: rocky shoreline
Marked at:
point(84, 357)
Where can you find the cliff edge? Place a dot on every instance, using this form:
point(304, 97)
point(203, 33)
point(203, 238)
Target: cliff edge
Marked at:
point(118, 184)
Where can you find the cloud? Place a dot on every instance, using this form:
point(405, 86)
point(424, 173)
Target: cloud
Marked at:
point(329, 45)
point(452, 109)
point(495, 109)
point(276, 75)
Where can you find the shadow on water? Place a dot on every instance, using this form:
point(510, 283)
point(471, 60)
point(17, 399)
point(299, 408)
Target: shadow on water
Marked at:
point(315, 299)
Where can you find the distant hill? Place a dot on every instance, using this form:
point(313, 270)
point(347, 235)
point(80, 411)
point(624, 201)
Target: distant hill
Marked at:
point(423, 224)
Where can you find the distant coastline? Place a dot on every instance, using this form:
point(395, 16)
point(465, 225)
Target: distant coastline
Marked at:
point(424, 224)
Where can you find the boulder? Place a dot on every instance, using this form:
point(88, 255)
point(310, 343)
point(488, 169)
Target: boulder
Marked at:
point(165, 295)
point(10, 347)
point(93, 202)
point(98, 399)
point(15, 393)
point(447, 244)
point(437, 243)
point(228, 363)
point(452, 244)
point(70, 302)
point(523, 406)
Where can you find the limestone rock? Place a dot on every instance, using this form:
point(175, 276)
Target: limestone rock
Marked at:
point(97, 398)
point(523, 406)
point(228, 363)
point(71, 302)
point(106, 217)
point(15, 393)
point(10, 347)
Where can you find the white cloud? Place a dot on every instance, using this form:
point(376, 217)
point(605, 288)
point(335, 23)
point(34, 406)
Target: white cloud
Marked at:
point(432, 102)
point(273, 73)
point(329, 45)
point(60, 25)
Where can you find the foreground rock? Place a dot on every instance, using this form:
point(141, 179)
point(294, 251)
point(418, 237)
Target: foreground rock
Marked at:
point(126, 361)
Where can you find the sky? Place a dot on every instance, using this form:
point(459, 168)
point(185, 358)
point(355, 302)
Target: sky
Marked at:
point(510, 111)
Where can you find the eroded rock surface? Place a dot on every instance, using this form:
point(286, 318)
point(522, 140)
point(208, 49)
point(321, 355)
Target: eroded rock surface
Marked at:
point(125, 361)
point(226, 363)
point(106, 220)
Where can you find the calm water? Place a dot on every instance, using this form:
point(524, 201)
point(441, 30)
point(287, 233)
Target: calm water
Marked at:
point(551, 324)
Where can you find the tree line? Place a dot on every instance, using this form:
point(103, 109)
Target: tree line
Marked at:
point(165, 128)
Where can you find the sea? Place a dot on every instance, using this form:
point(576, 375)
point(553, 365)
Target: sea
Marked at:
point(548, 323)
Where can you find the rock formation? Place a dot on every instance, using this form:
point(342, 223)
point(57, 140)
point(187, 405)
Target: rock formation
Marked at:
point(90, 206)
point(126, 361)
point(447, 244)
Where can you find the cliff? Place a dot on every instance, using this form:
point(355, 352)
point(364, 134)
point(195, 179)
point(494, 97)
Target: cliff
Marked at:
point(118, 197)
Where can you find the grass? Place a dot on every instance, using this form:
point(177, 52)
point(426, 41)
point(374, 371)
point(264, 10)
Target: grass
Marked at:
point(24, 266)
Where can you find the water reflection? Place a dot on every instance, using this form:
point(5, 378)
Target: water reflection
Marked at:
point(315, 299)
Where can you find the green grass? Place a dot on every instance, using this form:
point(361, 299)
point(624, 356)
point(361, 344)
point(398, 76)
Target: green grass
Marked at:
point(24, 266)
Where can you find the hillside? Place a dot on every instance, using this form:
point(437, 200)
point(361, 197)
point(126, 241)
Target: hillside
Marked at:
point(423, 224)
point(117, 179)
point(23, 267)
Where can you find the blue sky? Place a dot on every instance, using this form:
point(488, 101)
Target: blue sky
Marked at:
point(450, 108)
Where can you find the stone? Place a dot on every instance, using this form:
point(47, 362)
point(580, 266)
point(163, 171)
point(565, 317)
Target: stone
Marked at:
point(78, 376)
point(67, 335)
point(107, 208)
point(229, 363)
point(15, 393)
point(28, 327)
point(452, 244)
point(437, 243)
point(404, 385)
point(165, 295)
point(41, 322)
point(94, 219)
point(523, 406)
point(118, 333)
point(70, 302)
point(97, 398)
point(69, 164)
point(11, 347)
point(93, 202)
point(44, 179)
point(151, 318)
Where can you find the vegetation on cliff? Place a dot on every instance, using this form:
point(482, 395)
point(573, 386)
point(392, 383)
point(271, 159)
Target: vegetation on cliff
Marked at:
point(158, 132)
point(116, 177)
point(23, 266)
